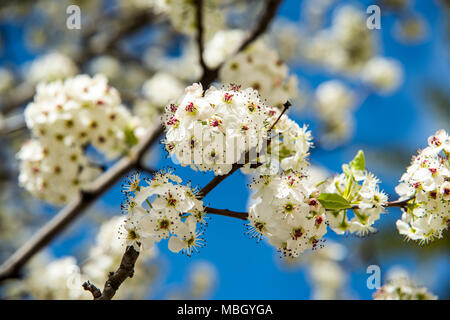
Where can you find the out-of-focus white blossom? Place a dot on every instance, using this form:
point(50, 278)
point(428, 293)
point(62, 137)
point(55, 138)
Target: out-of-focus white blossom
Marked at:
point(66, 117)
point(401, 287)
point(202, 278)
point(81, 110)
point(106, 65)
point(161, 88)
point(383, 74)
point(347, 45)
point(327, 275)
point(261, 68)
point(51, 67)
point(222, 46)
point(334, 103)
point(59, 279)
point(53, 173)
point(6, 80)
point(426, 183)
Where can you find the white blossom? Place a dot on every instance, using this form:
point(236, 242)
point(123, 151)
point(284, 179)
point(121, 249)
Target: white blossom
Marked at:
point(65, 118)
point(261, 68)
point(287, 212)
point(212, 130)
point(174, 211)
point(384, 74)
point(426, 183)
point(361, 190)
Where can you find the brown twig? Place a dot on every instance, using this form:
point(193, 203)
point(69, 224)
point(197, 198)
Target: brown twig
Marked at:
point(199, 7)
point(227, 213)
point(115, 279)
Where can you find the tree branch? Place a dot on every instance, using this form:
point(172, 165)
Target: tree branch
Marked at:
point(200, 37)
point(13, 265)
point(227, 213)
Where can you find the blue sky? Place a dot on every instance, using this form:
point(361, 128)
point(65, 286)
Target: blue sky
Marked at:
point(251, 271)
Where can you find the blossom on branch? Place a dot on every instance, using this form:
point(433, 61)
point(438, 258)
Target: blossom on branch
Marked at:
point(426, 183)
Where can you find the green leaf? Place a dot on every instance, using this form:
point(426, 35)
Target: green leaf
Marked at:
point(333, 201)
point(130, 137)
point(346, 169)
point(359, 162)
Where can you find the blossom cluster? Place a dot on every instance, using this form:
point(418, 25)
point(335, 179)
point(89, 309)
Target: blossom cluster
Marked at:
point(426, 186)
point(358, 190)
point(163, 208)
point(287, 212)
point(288, 149)
point(211, 130)
point(401, 287)
point(66, 118)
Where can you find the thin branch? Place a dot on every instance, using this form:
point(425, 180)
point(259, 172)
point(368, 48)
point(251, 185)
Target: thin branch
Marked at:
point(199, 6)
point(398, 203)
point(13, 124)
point(286, 106)
point(14, 264)
point(115, 279)
point(88, 286)
point(227, 213)
point(266, 18)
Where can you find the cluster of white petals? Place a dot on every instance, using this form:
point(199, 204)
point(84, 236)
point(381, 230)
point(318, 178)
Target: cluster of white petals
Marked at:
point(163, 208)
point(288, 150)
point(426, 183)
point(287, 212)
point(50, 67)
point(65, 118)
point(53, 172)
point(361, 189)
point(401, 287)
point(211, 130)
